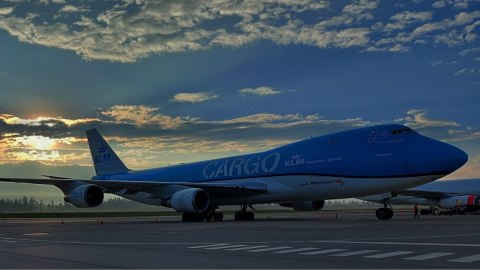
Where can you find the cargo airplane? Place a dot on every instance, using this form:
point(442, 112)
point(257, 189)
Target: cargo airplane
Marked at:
point(300, 175)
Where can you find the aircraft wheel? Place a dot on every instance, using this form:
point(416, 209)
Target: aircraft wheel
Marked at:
point(250, 216)
point(382, 213)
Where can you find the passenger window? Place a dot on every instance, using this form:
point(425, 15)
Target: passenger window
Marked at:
point(394, 132)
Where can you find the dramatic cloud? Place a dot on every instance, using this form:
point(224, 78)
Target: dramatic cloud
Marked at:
point(193, 97)
point(136, 29)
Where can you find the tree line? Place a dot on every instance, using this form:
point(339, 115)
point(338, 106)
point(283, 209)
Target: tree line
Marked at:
point(110, 204)
point(121, 204)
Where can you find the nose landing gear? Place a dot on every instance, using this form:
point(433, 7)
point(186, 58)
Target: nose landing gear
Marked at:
point(385, 212)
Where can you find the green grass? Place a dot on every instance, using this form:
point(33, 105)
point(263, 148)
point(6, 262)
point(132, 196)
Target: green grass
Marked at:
point(171, 213)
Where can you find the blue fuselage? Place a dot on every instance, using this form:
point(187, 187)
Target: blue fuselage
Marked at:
point(349, 163)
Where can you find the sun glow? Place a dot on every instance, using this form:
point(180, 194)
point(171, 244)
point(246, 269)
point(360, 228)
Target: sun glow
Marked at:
point(38, 142)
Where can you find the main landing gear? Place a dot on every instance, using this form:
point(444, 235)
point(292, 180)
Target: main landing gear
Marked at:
point(243, 214)
point(207, 216)
point(385, 212)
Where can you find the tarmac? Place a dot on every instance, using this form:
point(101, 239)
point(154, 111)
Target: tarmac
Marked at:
point(280, 241)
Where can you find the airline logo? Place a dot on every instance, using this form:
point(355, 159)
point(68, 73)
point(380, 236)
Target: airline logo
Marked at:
point(242, 166)
point(295, 161)
point(102, 161)
point(338, 181)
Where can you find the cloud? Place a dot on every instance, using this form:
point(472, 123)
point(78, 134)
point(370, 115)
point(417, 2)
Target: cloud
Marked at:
point(394, 48)
point(137, 29)
point(6, 10)
point(465, 70)
point(469, 170)
point(435, 63)
point(193, 97)
point(406, 18)
point(133, 30)
point(439, 4)
point(418, 119)
point(71, 9)
point(144, 115)
point(467, 51)
point(49, 121)
point(261, 91)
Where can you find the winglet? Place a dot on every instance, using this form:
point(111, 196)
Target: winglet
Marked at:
point(104, 158)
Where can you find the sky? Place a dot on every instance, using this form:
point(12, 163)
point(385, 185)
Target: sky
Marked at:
point(169, 82)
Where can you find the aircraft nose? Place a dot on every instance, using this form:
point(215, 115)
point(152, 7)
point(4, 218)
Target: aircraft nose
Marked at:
point(458, 157)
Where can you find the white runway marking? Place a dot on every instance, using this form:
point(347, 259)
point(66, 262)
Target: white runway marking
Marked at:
point(322, 251)
point(467, 259)
point(294, 250)
point(244, 248)
point(213, 245)
point(268, 249)
point(428, 256)
point(389, 254)
point(228, 246)
point(8, 241)
point(354, 253)
point(396, 243)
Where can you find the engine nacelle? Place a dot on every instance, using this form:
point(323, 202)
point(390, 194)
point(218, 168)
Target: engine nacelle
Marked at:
point(453, 202)
point(305, 205)
point(192, 200)
point(85, 196)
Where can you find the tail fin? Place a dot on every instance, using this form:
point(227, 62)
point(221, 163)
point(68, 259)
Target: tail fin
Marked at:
point(104, 159)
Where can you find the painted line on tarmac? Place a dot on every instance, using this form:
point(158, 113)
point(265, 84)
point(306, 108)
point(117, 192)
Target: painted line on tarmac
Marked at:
point(237, 243)
point(396, 243)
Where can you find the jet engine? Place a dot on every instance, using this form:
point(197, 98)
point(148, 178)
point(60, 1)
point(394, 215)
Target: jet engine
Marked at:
point(192, 200)
point(85, 196)
point(453, 202)
point(305, 205)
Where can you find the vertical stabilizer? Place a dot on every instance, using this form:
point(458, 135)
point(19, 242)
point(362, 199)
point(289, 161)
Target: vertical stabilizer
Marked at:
point(104, 159)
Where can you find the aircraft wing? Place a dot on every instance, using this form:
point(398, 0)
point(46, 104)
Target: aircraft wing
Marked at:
point(425, 194)
point(230, 188)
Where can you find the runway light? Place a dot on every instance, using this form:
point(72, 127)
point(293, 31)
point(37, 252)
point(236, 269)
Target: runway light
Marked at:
point(336, 217)
point(327, 215)
point(101, 221)
point(62, 220)
point(156, 220)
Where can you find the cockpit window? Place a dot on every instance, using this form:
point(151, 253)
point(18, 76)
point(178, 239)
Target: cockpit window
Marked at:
point(404, 130)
